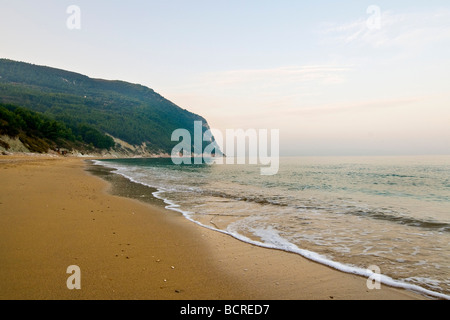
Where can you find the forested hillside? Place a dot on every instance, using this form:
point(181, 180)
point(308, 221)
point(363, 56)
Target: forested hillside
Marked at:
point(130, 112)
point(39, 133)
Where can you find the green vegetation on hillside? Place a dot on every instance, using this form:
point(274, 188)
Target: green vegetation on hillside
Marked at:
point(131, 112)
point(40, 133)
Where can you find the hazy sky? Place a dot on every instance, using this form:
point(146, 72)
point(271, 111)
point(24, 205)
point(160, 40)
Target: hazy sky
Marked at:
point(336, 77)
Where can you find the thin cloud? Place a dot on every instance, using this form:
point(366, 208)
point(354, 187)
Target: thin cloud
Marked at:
point(403, 30)
point(266, 87)
point(354, 106)
point(290, 74)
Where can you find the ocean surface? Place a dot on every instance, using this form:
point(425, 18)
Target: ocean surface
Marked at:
point(350, 213)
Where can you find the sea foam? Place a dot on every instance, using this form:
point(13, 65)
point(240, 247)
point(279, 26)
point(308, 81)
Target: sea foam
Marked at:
point(269, 237)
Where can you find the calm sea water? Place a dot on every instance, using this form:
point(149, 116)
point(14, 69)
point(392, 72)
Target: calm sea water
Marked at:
point(348, 213)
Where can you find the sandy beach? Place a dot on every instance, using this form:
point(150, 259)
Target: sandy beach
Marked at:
point(53, 214)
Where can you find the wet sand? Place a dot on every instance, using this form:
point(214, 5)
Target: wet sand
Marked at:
point(54, 213)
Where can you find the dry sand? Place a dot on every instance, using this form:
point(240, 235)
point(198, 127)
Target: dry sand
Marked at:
point(54, 214)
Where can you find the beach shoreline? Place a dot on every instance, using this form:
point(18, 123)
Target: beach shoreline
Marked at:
point(54, 213)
